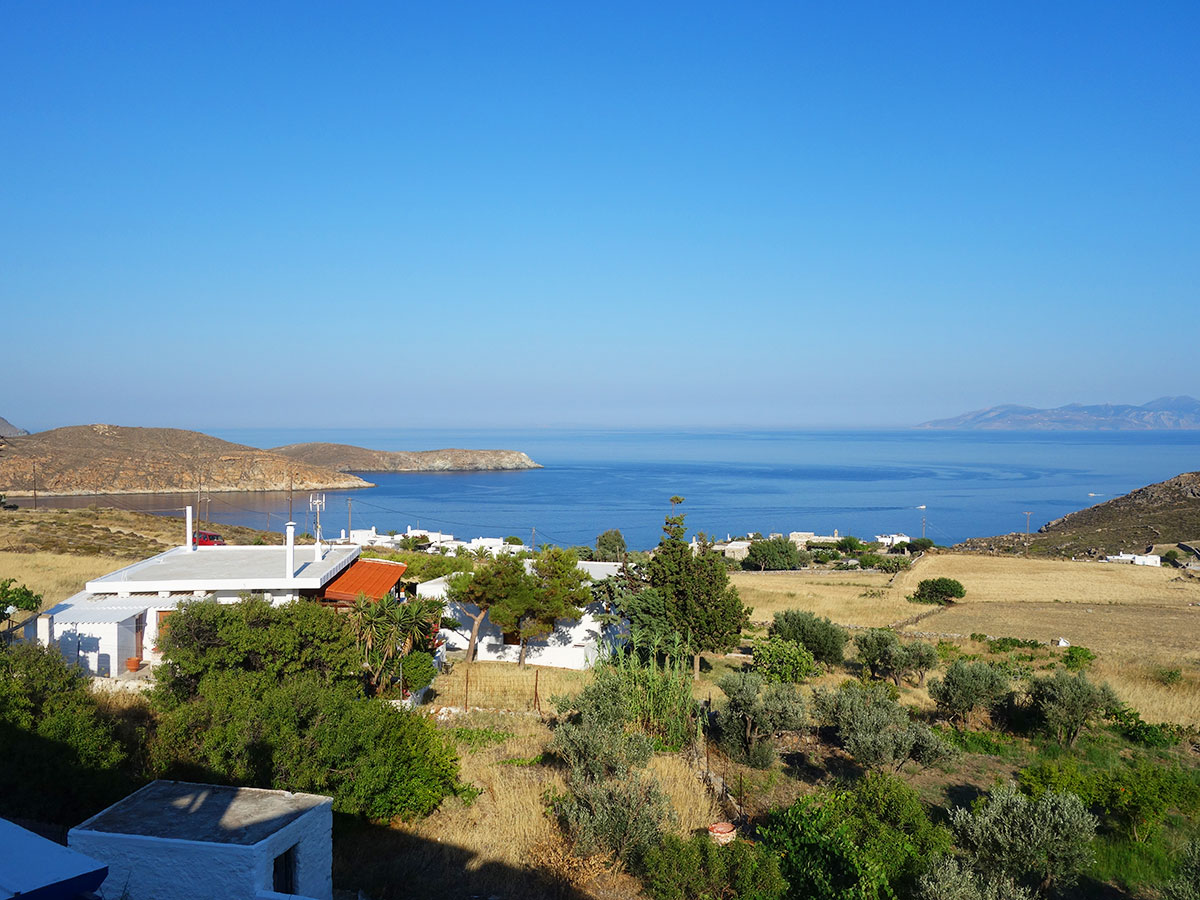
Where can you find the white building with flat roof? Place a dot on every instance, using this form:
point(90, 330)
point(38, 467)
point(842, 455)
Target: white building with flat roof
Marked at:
point(212, 842)
point(117, 616)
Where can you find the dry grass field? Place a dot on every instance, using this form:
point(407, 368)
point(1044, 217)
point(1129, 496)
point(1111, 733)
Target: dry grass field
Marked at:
point(500, 685)
point(55, 576)
point(848, 598)
point(503, 837)
point(1012, 579)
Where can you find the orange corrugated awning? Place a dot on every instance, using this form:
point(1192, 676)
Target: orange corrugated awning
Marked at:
point(373, 578)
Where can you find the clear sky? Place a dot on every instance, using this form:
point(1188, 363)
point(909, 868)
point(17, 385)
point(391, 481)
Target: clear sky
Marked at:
point(793, 214)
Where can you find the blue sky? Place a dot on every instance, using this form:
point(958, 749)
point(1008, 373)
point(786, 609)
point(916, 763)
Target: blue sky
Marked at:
point(482, 214)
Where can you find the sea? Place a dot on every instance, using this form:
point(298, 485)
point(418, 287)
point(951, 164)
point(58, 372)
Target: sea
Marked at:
point(945, 485)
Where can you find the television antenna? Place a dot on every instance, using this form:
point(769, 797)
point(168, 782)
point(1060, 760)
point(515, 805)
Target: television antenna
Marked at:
point(316, 503)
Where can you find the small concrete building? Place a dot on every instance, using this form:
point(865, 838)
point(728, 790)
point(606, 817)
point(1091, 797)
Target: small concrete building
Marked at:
point(186, 841)
point(891, 540)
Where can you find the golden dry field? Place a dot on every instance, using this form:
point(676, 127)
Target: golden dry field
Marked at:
point(501, 685)
point(1010, 579)
point(848, 598)
point(56, 576)
point(503, 837)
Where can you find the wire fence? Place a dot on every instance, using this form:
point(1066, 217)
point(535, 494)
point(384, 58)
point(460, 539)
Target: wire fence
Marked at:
point(484, 685)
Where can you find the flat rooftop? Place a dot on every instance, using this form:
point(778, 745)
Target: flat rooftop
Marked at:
point(178, 810)
point(228, 567)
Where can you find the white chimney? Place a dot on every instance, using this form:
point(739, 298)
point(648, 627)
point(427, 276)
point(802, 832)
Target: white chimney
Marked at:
point(191, 544)
point(290, 552)
point(318, 550)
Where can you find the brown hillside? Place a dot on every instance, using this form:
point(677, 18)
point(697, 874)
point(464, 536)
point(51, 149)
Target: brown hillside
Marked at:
point(1164, 513)
point(347, 458)
point(112, 459)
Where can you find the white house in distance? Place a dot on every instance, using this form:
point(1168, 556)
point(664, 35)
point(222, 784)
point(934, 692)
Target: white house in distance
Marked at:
point(209, 842)
point(891, 540)
point(1137, 559)
point(573, 644)
point(117, 617)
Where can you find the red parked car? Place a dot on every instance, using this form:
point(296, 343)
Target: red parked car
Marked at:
point(209, 539)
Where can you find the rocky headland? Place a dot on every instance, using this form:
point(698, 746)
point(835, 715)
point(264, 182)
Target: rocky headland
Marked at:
point(113, 459)
point(348, 458)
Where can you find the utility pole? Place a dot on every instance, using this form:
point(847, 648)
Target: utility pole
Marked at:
point(922, 528)
point(35, 485)
point(533, 539)
point(1027, 515)
point(349, 517)
point(291, 474)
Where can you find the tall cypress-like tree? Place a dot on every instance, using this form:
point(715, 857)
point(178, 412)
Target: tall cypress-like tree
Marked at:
point(698, 600)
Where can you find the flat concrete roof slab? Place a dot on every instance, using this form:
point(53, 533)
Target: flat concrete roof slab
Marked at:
point(217, 567)
point(178, 810)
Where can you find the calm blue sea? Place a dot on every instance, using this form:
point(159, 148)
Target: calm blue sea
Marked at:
point(733, 481)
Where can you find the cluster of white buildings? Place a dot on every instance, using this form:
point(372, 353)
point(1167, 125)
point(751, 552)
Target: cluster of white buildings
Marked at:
point(740, 549)
point(437, 541)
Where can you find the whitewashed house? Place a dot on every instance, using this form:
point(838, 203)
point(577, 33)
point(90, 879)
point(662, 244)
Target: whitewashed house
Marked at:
point(117, 616)
point(573, 644)
point(891, 540)
point(208, 842)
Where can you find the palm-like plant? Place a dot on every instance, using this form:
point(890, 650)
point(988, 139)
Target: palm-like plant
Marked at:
point(388, 629)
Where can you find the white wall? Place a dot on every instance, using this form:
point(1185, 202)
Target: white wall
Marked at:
point(574, 643)
point(151, 868)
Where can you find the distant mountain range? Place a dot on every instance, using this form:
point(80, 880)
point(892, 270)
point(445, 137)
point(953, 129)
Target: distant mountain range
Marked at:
point(1165, 413)
point(8, 429)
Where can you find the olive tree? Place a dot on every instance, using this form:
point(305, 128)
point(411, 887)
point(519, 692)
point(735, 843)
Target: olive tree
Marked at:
point(1068, 704)
point(966, 688)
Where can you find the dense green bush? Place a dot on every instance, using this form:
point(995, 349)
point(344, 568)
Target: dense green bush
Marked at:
point(819, 859)
point(938, 590)
point(823, 639)
point(1044, 843)
point(780, 660)
point(1129, 724)
point(1068, 704)
point(747, 724)
point(1078, 658)
point(304, 734)
point(205, 637)
point(876, 730)
point(418, 670)
point(966, 688)
point(950, 879)
point(886, 818)
point(774, 555)
point(915, 658)
point(875, 648)
point(699, 869)
point(62, 758)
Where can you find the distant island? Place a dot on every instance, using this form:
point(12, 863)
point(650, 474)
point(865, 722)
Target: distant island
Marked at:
point(114, 459)
point(1163, 414)
point(348, 458)
point(8, 429)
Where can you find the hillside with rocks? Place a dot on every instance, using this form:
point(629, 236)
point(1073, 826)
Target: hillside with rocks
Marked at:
point(1164, 513)
point(112, 459)
point(348, 458)
point(8, 429)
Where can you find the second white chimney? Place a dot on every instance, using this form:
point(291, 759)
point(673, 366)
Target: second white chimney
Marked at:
point(290, 551)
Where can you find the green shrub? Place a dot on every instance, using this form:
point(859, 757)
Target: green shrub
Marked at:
point(1004, 644)
point(938, 590)
point(1129, 724)
point(779, 660)
point(876, 730)
point(1167, 677)
point(886, 818)
point(875, 648)
point(818, 858)
point(418, 669)
point(1044, 843)
point(479, 738)
point(1067, 704)
point(623, 816)
point(747, 724)
point(699, 869)
point(950, 879)
point(776, 554)
point(967, 688)
point(303, 734)
point(823, 639)
point(1186, 883)
point(62, 757)
point(1078, 658)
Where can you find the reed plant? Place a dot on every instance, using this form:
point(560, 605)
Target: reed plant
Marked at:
point(653, 682)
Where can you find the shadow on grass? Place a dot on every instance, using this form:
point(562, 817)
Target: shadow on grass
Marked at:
point(389, 863)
